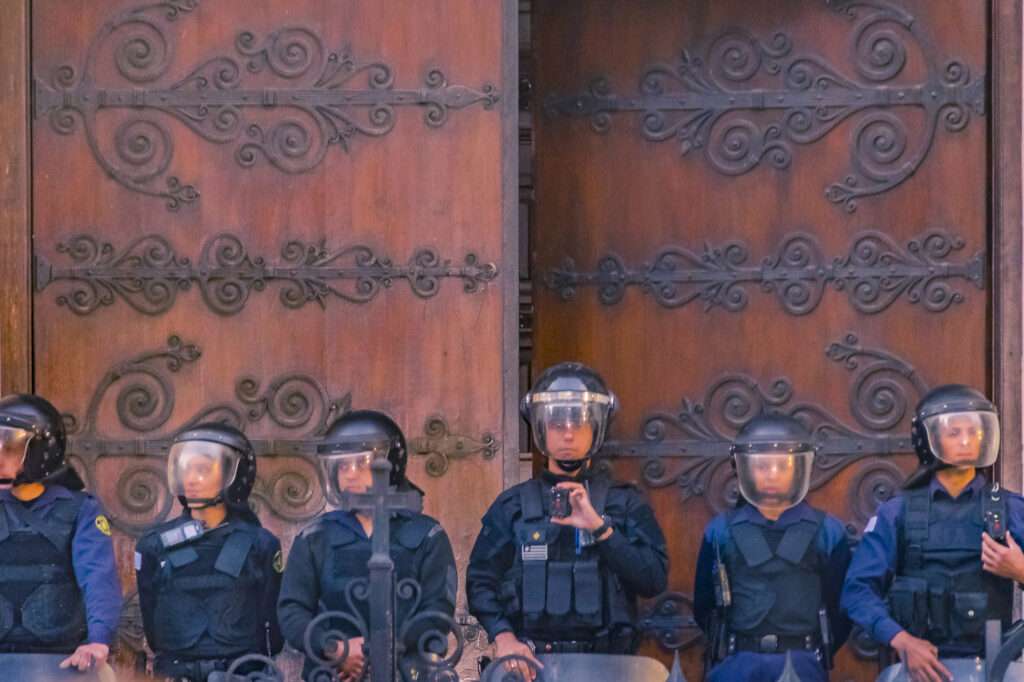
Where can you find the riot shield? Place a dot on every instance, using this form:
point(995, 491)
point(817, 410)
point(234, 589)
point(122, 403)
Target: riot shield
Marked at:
point(583, 668)
point(963, 670)
point(46, 668)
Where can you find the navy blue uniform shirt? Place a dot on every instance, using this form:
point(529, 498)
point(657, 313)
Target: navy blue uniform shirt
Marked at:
point(92, 558)
point(874, 562)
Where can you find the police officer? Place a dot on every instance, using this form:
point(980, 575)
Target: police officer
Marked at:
point(59, 589)
point(939, 559)
point(332, 553)
point(209, 579)
point(562, 576)
point(769, 573)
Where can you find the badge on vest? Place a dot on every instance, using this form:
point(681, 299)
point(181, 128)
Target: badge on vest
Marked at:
point(103, 524)
point(179, 535)
point(535, 552)
point(278, 562)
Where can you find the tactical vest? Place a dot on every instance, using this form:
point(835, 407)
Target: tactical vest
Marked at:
point(41, 606)
point(775, 577)
point(558, 588)
point(345, 561)
point(204, 594)
point(940, 592)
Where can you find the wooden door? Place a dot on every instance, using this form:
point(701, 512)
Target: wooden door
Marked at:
point(759, 205)
point(270, 213)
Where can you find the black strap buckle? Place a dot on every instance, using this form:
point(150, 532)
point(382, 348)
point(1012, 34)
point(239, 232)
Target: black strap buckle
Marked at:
point(768, 644)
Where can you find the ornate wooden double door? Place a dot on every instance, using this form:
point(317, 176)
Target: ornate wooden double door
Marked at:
point(273, 212)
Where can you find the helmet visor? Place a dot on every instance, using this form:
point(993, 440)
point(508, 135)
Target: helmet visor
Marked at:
point(568, 425)
point(347, 469)
point(964, 438)
point(201, 470)
point(776, 480)
point(13, 446)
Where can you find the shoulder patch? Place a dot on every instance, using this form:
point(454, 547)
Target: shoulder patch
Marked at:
point(103, 524)
point(278, 562)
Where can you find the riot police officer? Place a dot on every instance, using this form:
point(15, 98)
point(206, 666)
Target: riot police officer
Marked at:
point(333, 553)
point(209, 579)
point(59, 589)
point(552, 575)
point(769, 573)
point(939, 559)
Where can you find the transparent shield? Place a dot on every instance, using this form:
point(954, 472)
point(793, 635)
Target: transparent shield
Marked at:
point(349, 470)
point(964, 438)
point(201, 470)
point(13, 446)
point(774, 480)
point(568, 425)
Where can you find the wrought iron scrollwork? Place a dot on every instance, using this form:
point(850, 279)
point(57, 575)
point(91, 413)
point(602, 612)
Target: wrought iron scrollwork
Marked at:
point(669, 619)
point(298, 403)
point(148, 273)
point(317, 101)
point(716, 102)
point(875, 273)
point(695, 440)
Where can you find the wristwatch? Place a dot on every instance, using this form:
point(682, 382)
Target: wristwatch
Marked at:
point(602, 529)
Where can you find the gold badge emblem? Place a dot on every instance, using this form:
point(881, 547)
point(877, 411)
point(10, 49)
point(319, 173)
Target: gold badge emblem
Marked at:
point(536, 535)
point(278, 562)
point(103, 524)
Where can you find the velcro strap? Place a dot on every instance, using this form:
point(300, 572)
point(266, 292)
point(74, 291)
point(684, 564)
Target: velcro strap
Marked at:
point(56, 534)
point(534, 579)
point(559, 588)
point(597, 489)
point(586, 587)
point(916, 509)
point(232, 556)
point(795, 541)
point(531, 501)
point(751, 543)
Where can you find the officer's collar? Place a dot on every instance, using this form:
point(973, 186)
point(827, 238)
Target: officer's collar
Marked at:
point(801, 512)
point(551, 478)
point(50, 492)
point(976, 484)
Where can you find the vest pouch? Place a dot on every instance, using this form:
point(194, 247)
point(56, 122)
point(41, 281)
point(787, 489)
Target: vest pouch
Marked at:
point(586, 588)
point(179, 621)
point(752, 601)
point(559, 597)
point(6, 615)
point(55, 613)
point(969, 612)
point(938, 613)
point(908, 604)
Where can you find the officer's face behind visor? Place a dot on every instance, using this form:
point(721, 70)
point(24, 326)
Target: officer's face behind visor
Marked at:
point(964, 439)
point(13, 446)
point(774, 480)
point(568, 430)
point(200, 470)
point(348, 470)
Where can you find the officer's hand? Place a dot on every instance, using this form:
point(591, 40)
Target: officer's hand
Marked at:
point(352, 667)
point(87, 656)
point(920, 658)
point(508, 645)
point(583, 514)
point(1006, 561)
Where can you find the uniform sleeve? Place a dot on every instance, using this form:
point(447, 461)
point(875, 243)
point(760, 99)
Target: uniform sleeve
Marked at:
point(92, 556)
point(870, 573)
point(703, 583)
point(492, 556)
point(636, 551)
point(837, 562)
point(299, 597)
point(146, 565)
point(272, 569)
point(439, 581)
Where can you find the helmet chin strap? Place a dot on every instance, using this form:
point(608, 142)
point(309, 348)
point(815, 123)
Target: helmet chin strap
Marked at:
point(202, 502)
point(571, 466)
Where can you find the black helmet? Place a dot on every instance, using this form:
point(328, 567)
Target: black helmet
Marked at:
point(569, 394)
point(945, 414)
point(228, 448)
point(45, 451)
point(361, 432)
point(773, 454)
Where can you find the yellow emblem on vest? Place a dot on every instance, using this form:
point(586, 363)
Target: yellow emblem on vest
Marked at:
point(103, 524)
point(278, 562)
point(536, 535)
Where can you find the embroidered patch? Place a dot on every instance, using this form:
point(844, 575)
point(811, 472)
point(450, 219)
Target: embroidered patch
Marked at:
point(103, 524)
point(278, 562)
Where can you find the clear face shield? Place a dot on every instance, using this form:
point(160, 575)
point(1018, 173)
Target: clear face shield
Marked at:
point(774, 480)
point(200, 471)
point(964, 439)
point(346, 468)
point(568, 425)
point(13, 446)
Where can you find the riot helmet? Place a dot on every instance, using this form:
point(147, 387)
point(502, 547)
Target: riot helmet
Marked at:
point(211, 463)
point(32, 440)
point(955, 426)
point(351, 443)
point(773, 454)
point(568, 409)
